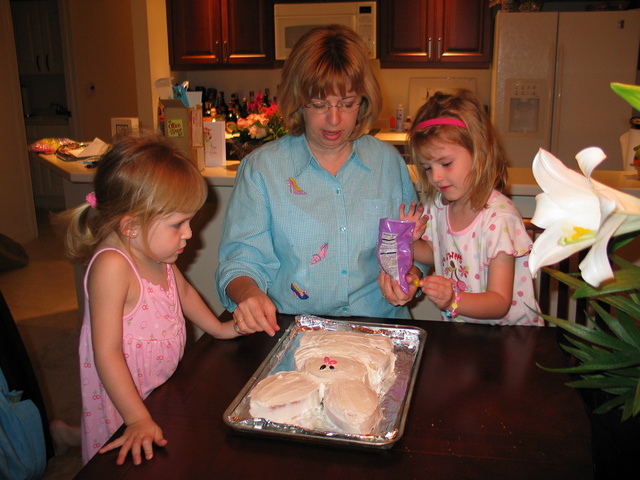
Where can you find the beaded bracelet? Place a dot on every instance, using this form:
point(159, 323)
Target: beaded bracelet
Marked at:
point(452, 313)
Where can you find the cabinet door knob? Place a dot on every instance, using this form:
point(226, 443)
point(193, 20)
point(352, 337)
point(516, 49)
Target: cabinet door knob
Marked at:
point(429, 48)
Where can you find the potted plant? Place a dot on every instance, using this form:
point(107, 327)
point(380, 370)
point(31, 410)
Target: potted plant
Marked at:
point(577, 212)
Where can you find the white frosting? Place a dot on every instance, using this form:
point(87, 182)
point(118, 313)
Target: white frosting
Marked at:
point(352, 406)
point(327, 369)
point(285, 397)
point(374, 351)
point(339, 379)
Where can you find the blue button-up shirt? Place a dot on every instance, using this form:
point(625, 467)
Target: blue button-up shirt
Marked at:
point(309, 238)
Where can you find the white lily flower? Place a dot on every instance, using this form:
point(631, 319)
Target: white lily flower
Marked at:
point(578, 212)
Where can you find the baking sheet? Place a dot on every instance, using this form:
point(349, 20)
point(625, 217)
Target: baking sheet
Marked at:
point(408, 346)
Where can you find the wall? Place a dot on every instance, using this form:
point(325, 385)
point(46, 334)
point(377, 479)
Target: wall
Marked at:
point(17, 214)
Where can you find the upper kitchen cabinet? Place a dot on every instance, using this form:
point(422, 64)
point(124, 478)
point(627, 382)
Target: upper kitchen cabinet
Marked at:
point(213, 34)
point(434, 34)
point(37, 32)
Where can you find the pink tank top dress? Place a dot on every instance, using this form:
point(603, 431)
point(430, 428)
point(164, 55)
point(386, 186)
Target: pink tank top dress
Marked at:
point(153, 343)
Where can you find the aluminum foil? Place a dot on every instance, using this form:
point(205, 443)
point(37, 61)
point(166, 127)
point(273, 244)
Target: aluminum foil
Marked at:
point(408, 346)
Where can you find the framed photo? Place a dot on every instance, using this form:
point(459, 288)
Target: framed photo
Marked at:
point(121, 127)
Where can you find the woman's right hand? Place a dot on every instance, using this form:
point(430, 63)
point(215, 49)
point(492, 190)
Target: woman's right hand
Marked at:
point(255, 312)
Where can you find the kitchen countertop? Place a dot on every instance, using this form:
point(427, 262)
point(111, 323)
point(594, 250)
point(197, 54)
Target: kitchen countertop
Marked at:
point(521, 180)
point(76, 172)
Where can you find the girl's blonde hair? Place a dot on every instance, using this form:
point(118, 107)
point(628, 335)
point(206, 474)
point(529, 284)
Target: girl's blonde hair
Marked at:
point(328, 60)
point(489, 165)
point(142, 176)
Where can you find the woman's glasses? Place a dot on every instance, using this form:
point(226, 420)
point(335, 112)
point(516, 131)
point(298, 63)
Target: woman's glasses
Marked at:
point(346, 105)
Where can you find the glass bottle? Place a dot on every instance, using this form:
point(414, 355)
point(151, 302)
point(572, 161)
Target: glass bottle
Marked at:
point(221, 108)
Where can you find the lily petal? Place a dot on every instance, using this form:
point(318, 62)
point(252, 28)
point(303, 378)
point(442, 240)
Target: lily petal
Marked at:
point(546, 250)
point(568, 210)
point(589, 158)
point(596, 268)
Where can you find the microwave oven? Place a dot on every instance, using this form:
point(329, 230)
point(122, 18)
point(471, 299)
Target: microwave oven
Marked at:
point(294, 20)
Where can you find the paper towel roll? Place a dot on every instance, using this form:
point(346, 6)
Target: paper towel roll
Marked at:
point(628, 141)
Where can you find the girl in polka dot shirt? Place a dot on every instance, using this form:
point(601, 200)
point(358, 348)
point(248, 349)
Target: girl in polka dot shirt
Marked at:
point(470, 232)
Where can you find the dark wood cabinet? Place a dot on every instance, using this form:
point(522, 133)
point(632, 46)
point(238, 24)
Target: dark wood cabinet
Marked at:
point(212, 34)
point(434, 33)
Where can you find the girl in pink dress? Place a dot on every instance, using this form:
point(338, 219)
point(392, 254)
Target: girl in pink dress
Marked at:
point(130, 233)
point(470, 232)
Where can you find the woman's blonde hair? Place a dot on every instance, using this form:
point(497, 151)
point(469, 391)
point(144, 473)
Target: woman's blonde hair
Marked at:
point(328, 60)
point(489, 165)
point(142, 176)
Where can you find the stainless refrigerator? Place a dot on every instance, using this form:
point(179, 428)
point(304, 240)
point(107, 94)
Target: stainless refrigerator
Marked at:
point(550, 82)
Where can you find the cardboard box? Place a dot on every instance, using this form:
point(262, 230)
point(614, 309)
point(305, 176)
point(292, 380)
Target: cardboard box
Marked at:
point(182, 125)
point(215, 147)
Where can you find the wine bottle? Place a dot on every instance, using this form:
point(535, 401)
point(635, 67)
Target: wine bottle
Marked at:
point(221, 108)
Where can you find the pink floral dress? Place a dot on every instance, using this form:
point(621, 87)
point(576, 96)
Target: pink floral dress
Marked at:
point(153, 343)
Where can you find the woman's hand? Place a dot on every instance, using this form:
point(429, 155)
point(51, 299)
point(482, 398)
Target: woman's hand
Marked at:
point(255, 311)
point(391, 290)
point(137, 438)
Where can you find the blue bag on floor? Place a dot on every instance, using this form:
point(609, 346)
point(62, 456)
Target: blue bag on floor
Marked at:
point(22, 448)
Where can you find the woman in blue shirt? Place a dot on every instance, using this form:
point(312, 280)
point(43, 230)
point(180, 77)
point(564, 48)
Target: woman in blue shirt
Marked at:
point(301, 228)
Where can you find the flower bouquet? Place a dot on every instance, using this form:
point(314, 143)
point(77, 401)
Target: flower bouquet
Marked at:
point(256, 129)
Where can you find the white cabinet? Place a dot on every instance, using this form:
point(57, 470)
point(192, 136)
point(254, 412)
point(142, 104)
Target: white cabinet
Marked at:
point(37, 33)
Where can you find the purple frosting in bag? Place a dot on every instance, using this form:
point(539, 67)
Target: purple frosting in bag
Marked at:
point(394, 249)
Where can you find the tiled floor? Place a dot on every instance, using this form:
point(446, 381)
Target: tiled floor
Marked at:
point(42, 299)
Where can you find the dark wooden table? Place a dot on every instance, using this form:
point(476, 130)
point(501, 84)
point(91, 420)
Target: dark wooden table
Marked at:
point(481, 408)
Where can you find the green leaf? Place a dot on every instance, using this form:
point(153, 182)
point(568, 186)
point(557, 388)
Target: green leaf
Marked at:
point(623, 327)
point(636, 403)
point(586, 333)
point(626, 279)
point(624, 304)
point(603, 382)
point(621, 240)
point(631, 93)
point(610, 405)
point(574, 281)
point(604, 362)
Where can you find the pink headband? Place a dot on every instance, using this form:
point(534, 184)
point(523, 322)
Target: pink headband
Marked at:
point(440, 121)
